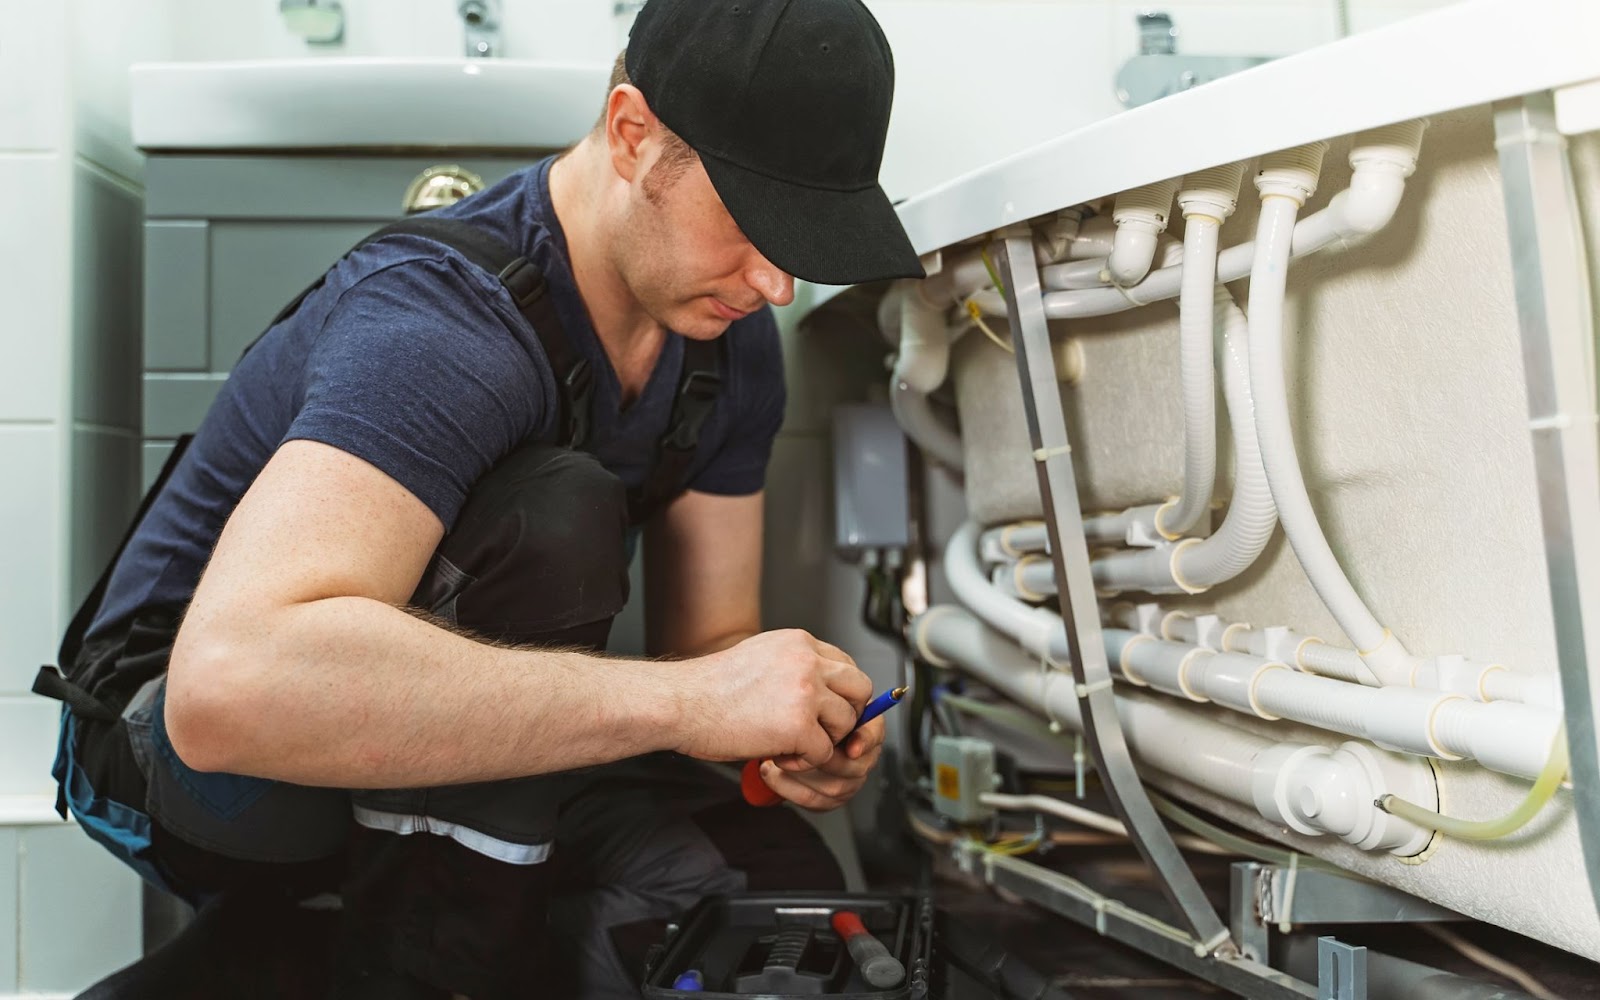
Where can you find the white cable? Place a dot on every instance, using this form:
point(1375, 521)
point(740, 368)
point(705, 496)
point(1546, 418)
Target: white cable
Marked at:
point(1493, 963)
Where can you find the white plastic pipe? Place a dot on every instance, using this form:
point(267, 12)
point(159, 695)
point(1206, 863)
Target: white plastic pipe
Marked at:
point(1285, 181)
point(1207, 199)
point(1141, 217)
point(1288, 783)
point(1471, 678)
point(1094, 239)
point(1502, 736)
point(923, 360)
point(1195, 337)
point(1037, 630)
point(1337, 225)
point(1193, 565)
point(914, 413)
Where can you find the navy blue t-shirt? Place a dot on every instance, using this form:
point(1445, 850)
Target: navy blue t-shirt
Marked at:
point(417, 361)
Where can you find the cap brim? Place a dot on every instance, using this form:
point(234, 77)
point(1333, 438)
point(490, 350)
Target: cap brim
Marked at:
point(828, 237)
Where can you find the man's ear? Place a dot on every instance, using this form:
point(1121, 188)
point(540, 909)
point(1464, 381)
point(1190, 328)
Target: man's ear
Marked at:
point(628, 121)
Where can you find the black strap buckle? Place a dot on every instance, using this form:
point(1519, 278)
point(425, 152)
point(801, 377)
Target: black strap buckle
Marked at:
point(697, 395)
point(524, 281)
point(578, 393)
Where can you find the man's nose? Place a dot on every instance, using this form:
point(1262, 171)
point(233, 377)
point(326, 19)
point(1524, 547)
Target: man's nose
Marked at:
point(774, 285)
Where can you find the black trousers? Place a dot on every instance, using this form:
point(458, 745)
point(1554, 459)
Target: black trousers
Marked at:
point(546, 886)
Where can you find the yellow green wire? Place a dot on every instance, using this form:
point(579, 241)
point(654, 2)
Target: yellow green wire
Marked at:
point(1543, 790)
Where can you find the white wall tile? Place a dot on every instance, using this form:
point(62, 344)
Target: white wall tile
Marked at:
point(108, 36)
point(8, 910)
point(28, 727)
point(80, 910)
point(34, 263)
point(107, 243)
point(31, 552)
point(33, 77)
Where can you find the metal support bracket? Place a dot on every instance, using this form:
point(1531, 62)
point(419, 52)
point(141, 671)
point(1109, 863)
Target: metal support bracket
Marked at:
point(1114, 919)
point(1080, 610)
point(1262, 897)
point(1555, 313)
point(1341, 970)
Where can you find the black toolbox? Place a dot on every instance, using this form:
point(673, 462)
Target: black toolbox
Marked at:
point(783, 945)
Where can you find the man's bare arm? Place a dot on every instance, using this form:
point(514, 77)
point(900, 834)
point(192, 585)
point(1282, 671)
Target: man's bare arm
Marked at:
point(703, 588)
point(702, 559)
point(296, 661)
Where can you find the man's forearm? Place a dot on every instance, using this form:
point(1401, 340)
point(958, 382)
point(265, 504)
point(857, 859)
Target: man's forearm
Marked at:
point(351, 692)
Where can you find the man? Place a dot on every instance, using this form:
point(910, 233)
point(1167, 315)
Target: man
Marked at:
point(414, 502)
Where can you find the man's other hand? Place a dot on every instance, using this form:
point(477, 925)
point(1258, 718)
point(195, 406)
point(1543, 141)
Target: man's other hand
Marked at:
point(830, 785)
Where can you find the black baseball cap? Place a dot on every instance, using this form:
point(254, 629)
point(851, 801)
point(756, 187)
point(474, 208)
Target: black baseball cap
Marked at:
point(787, 103)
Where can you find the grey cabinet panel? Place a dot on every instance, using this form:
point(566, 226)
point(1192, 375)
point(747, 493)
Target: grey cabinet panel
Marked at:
point(258, 267)
point(305, 187)
point(177, 296)
point(175, 404)
point(152, 456)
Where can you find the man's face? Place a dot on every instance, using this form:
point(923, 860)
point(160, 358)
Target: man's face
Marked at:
point(685, 259)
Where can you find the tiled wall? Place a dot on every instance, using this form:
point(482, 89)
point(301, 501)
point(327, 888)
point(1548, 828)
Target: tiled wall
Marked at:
point(69, 334)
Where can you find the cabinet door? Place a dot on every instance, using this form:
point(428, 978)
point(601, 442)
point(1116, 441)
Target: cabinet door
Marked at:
point(258, 267)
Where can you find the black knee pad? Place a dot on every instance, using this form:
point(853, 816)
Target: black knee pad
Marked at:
point(538, 553)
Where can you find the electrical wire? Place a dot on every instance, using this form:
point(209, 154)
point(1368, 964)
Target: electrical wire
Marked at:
point(1207, 834)
point(1493, 963)
point(1543, 790)
point(976, 315)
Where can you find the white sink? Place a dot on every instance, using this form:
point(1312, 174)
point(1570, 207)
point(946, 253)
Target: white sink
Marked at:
point(386, 103)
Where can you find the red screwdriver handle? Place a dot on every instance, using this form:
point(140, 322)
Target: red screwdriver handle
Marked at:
point(756, 791)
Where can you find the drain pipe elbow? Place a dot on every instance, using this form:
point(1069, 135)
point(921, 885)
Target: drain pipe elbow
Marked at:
point(924, 356)
point(1141, 217)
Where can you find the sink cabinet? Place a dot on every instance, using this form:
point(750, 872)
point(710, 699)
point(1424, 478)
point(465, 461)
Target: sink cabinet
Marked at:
point(229, 239)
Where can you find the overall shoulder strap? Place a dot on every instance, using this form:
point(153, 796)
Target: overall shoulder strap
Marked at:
point(699, 385)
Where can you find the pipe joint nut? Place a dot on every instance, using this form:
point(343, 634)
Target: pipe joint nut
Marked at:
point(1291, 173)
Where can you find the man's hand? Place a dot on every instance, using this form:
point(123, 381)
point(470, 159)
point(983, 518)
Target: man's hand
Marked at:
point(829, 785)
point(782, 694)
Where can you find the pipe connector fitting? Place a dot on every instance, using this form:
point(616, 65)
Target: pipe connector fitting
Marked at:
point(1141, 217)
point(1213, 192)
point(1291, 173)
point(1397, 145)
point(1314, 790)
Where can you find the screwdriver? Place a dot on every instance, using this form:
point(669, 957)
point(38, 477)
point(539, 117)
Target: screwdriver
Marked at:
point(759, 793)
point(879, 968)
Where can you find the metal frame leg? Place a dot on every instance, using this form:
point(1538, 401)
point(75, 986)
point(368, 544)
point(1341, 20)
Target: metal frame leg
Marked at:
point(1341, 970)
point(1550, 272)
point(1102, 730)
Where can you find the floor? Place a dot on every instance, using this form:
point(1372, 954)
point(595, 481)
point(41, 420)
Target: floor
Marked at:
point(1090, 967)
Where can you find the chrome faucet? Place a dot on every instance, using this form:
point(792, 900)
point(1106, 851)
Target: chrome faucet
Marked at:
point(482, 21)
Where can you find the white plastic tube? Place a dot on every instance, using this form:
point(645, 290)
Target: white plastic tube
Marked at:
point(1336, 225)
point(1312, 789)
point(1193, 565)
point(923, 360)
point(1037, 630)
point(1282, 193)
point(1251, 516)
point(1195, 335)
point(1502, 736)
point(914, 413)
point(1141, 217)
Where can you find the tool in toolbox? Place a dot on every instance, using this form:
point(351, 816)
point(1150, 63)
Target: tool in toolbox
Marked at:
point(878, 967)
point(759, 793)
point(781, 945)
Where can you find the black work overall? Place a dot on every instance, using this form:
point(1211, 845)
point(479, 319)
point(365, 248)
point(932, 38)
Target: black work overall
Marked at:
point(448, 890)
